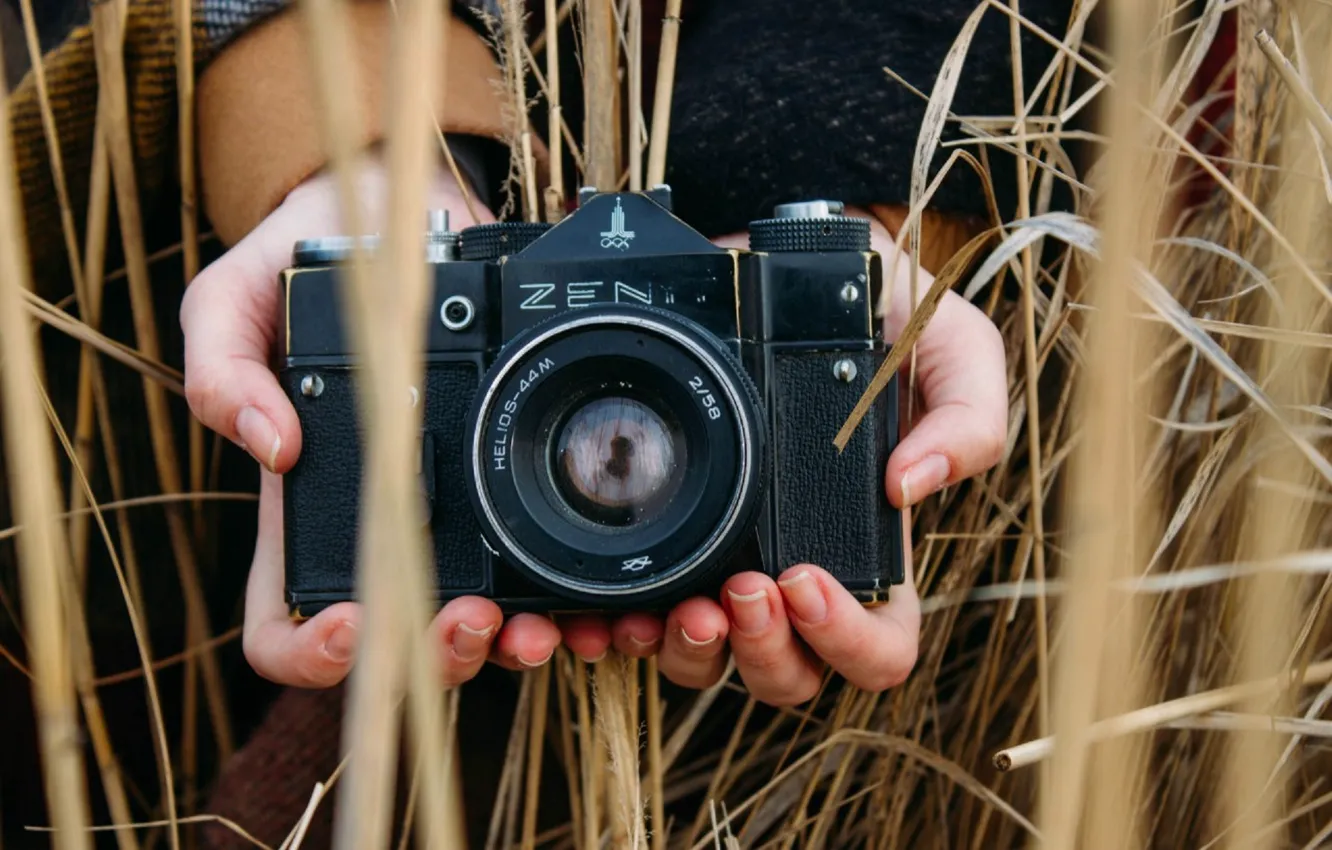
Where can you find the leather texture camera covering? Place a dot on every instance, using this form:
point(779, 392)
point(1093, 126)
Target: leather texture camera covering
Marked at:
point(831, 507)
point(322, 491)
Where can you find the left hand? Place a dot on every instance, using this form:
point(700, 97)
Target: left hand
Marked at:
point(962, 382)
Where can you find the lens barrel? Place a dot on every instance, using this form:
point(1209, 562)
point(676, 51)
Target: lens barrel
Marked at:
point(617, 455)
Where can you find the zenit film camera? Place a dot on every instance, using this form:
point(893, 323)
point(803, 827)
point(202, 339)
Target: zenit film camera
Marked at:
point(616, 412)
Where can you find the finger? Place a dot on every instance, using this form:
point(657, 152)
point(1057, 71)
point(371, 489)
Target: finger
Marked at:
point(873, 648)
point(637, 635)
point(774, 666)
point(587, 636)
point(466, 628)
point(962, 379)
point(733, 240)
point(693, 652)
point(526, 641)
point(315, 654)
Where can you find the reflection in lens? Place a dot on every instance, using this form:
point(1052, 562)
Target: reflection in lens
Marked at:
point(614, 460)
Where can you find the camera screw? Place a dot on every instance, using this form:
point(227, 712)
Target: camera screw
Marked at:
point(312, 386)
point(850, 293)
point(457, 312)
point(845, 371)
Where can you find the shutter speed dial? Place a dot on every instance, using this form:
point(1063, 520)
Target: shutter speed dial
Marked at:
point(500, 238)
point(804, 226)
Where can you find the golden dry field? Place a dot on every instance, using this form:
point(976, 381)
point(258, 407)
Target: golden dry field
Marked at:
point(1127, 638)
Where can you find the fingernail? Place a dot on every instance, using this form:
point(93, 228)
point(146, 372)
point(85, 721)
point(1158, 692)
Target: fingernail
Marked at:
point(805, 597)
point(599, 658)
point(341, 643)
point(925, 478)
point(535, 664)
point(469, 644)
point(697, 644)
point(750, 610)
point(643, 645)
point(256, 432)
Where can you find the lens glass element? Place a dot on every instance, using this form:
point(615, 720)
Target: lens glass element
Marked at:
point(614, 460)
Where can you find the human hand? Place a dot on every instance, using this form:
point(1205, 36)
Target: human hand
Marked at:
point(230, 319)
point(783, 633)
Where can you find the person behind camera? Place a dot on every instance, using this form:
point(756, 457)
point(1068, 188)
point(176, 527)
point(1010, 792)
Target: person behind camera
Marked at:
point(780, 129)
point(773, 103)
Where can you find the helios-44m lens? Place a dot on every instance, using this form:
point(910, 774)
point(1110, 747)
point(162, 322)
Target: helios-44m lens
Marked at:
point(616, 454)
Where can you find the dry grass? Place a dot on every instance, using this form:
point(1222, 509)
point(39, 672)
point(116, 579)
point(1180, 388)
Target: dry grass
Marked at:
point(43, 557)
point(396, 653)
point(1127, 638)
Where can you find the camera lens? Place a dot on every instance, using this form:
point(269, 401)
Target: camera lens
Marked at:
point(616, 455)
point(614, 458)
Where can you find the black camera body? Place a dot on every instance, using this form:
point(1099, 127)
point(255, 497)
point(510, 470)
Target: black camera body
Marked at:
point(616, 413)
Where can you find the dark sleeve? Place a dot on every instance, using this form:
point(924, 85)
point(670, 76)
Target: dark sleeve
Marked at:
point(778, 100)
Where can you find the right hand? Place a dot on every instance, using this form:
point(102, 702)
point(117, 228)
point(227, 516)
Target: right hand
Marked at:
point(230, 319)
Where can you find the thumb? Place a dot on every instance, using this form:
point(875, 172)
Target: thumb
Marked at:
point(962, 377)
point(229, 316)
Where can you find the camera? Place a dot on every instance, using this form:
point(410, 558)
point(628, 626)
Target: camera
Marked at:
point(615, 412)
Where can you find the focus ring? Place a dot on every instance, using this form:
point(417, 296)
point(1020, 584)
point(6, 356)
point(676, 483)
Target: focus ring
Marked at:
point(501, 238)
point(834, 233)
